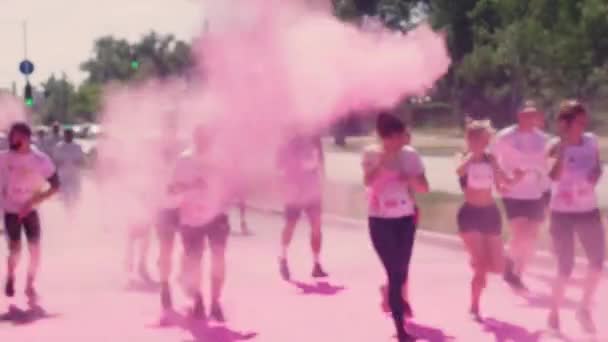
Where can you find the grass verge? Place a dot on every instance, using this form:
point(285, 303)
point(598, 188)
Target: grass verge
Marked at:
point(438, 209)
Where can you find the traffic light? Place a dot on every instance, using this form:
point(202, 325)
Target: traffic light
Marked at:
point(27, 95)
point(134, 62)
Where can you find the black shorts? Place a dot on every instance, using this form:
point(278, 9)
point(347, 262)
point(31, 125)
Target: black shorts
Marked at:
point(533, 210)
point(215, 232)
point(29, 224)
point(590, 230)
point(167, 224)
point(294, 211)
point(485, 220)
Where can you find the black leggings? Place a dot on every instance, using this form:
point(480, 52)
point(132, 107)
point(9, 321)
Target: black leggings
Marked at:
point(393, 240)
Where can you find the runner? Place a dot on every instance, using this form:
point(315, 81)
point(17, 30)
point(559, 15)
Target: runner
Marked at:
point(479, 221)
point(574, 209)
point(41, 139)
point(523, 146)
point(168, 222)
point(302, 163)
point(70, 159)
point(138, 248)
point(24, 173)
point(409, 313)
point(51, 141)
point(392, 172)
point(202, 221)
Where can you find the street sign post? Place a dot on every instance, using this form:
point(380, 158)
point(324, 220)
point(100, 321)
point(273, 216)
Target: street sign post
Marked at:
point(26, 67)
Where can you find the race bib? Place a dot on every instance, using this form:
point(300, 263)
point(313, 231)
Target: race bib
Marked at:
point(395, 202)
point(573, 193)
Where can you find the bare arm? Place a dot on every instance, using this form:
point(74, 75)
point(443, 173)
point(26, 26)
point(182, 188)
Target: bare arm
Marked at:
point(465, 160)
point(41, 196)
point(44, 195)
point(555, 152)
point(419, 183)
point(501, 179)
point(598, 170)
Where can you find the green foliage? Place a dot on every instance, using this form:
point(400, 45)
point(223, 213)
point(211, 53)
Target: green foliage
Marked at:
point(112, 60)
point(157, 55)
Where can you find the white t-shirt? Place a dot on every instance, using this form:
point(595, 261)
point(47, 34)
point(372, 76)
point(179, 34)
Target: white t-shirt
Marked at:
point(201, 198)
point(302, 166)
point(69, 158)
point(22, 176)
point(572, 192)
point(388, 196)
point(516, 149)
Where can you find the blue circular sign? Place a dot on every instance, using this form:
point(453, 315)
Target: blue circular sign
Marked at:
point(26, 67)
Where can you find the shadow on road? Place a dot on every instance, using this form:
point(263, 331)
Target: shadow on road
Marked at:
point(428, 334)
point(543, 301)
point(144, 286)
point(507, 332)
point(322, 288)
point(18, 316)
point(202, 331)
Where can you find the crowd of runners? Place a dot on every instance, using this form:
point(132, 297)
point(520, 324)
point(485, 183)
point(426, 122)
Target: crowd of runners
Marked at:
point(537, 178)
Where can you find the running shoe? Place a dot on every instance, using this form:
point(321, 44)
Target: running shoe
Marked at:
point(217, 313)
point(584, 317)
point(198, 309)
point(9, 289)
point(318, 272)
point(513, 279)
point(475, 314)
point(553, 321)
point(284, 269)
point(166, 318)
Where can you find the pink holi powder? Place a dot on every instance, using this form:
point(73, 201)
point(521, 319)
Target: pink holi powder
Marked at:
point(266, 71)
point(11, 110)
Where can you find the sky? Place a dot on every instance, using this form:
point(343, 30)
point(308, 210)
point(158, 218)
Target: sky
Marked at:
point(61, 33)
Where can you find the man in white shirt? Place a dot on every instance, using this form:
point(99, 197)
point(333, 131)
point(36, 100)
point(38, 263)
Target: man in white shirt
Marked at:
point(70, 159)
point(27, 178)
point(202, 206)
point(523, 146)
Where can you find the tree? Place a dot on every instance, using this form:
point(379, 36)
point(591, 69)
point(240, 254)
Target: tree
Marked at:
point(85, 103)
point(56, 106)
point(158, 55)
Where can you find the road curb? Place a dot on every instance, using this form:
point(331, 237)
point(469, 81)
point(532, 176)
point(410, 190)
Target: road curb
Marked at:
point(543, 259)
